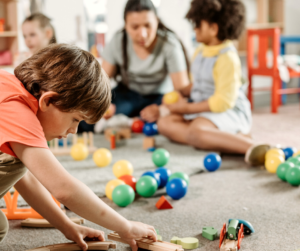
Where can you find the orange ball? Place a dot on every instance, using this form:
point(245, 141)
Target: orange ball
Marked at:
point(129, 180)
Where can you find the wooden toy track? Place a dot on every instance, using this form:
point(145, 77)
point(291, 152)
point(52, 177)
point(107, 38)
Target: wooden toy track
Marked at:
point(92, 245)
point(146, 243)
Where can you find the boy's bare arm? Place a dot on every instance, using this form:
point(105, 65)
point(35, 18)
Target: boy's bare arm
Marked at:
point(186, 91)
point(68, 190)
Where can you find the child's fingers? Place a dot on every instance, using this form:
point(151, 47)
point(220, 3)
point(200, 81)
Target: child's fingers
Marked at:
point(132, 244)
point(152, 234)
point(81, 243)
point(95, 235)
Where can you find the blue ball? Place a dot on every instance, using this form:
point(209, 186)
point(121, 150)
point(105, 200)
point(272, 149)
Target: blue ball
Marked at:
point(177, 188)
point(164, 176)
point(289, 151)
point(150, 129)
point(212, 162)
point(156, 176)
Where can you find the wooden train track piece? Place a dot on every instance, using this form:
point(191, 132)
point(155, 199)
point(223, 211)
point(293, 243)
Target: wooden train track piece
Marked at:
point(43, 223)
point(92, 245)
point(149, 244)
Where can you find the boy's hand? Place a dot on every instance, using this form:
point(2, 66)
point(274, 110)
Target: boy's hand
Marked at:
point(137, 230)
point(150, 113)
point(79, 234)
point(179, 107)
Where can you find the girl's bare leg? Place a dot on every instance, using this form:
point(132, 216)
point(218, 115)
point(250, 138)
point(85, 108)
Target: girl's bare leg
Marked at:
point(204, 134)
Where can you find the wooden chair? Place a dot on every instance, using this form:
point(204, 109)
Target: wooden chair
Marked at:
point(265, 36)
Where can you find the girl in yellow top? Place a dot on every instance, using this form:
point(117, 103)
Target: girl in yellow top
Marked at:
point(219, 116)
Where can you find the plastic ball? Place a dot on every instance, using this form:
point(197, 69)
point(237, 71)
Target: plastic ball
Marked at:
point(274, 151)
point(294, 160)
point(273, 162)
point(122, 167)
point(137, 126)
point(293, 176)
point(111, 185)
point(150, 129)
point(160, 157)
point(102, 157)
point(164, 176)
point(180, 175)
point(176, 188)
point(154, 175)
point(282, 169)
point(212, 162)
point(129, 180)
point(123, 195)
point(289, 151)
point(146, 186)
point(171, 98)
point(79, 151)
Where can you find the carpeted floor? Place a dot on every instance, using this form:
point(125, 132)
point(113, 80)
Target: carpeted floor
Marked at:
point(234, 191)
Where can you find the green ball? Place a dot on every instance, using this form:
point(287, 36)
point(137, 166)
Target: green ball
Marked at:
point(293, 176)
point(180, 175)
point(160, 157)
point(294, 160)
point(282, 169)
point(123, 195)
point(146, 186)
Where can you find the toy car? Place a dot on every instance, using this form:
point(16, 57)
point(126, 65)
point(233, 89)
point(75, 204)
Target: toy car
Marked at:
point(231, 239)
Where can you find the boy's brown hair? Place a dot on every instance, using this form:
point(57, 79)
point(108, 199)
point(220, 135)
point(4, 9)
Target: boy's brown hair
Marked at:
point(75, 74)
point(229, 15)
point(44, 22)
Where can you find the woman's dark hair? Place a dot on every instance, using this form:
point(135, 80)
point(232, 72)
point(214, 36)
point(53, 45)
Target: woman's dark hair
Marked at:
point(138, 6)
point(44, 22)
point(229, 15)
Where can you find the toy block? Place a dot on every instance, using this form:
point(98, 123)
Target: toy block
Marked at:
point(186, 243)
point(149, 142)
point(163, 203)
point(120, 133)
point(42, 223)
point(229, 245)
point(159, 237)
point(149, 244)
point(209, 233)
point(92, 245)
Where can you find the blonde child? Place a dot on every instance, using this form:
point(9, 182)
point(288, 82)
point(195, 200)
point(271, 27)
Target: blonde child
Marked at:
point(219, 116)
point(49, 95)
point(38, 33)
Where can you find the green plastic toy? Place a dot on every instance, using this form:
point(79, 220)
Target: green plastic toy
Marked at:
point(146, 186)
point(293, 176)
point(209, 233)
point(160, 157)
point(123, 195)
point(186, 243)
point(282, 169)
point(180, 175)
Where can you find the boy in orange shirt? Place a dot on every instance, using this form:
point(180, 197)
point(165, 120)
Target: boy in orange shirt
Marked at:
point(49, 95)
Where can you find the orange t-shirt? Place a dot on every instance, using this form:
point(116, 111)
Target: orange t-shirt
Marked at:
point(18, 120)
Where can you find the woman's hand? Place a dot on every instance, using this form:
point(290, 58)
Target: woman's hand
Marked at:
point(79, 234)
point(110, 111)
point(150, 113)
point(180, 107)
point(137, 230)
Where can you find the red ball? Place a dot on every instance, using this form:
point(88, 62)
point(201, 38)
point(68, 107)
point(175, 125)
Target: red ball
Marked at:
point(137, 126)
point(129, 180)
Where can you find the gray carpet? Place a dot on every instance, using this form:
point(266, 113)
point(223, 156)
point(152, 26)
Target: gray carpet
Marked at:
point(234, 191)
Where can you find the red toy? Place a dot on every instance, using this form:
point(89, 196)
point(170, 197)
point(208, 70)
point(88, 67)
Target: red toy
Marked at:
point(163, 203)
point(129, 180)
point(137, 126)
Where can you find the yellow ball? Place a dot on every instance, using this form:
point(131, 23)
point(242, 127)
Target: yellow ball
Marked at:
point(122, 167)
point(272, 162)
point(79, 151)
point(275, 152)
point(296, 153)
point(102, 157)
point(110, 186)
point(171, 98)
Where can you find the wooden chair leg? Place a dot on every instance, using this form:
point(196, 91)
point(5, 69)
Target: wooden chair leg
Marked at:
point(275, 95)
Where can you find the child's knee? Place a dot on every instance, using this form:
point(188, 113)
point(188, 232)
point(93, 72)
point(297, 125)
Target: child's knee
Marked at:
point(3, 226)
point(196, 137)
